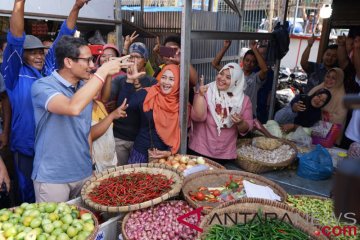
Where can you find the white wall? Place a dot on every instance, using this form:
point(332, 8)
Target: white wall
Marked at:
point(296, 49)
point(95, 9)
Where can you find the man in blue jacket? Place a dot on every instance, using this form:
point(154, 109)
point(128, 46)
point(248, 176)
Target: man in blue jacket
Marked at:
point(24, 62)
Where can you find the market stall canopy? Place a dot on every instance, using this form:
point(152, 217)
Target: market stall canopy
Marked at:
point(59, 10)
point(129, 28)
point(345, 13)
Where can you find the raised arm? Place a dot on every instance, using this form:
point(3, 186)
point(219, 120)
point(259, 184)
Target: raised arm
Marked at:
point(343, 59)
point(17, 18)
point(305, 56)
point(216, 61)
point(261, 62)
point(74, 13)
point(60, 104)
point(128, 41)
point(357, 57)
point(199, 108)
point(66, 29)
point(12, 58)
point(304, 12)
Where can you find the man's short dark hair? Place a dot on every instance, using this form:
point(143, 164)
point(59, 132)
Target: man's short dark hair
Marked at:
point(331, 47)
point(68, 46)
point(250, 52)
point(173, 38)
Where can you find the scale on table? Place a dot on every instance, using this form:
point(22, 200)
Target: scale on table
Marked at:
point(346, 188)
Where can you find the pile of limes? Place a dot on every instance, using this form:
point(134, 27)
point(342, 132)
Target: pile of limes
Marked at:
point(50, 221)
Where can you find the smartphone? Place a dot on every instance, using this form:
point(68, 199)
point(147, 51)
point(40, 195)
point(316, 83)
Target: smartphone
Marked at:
point(304, 98)
point(167, 51)
point(96, 49)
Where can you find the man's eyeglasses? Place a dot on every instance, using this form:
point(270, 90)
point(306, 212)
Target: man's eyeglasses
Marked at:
point(89, 59)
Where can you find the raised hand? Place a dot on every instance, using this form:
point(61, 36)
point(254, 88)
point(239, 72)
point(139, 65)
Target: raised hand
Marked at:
point(80, 3)
point(253, 45)
point(227, 43)
point(129, 39)
point(156, 48)
point(133, 73)
point(202, 89)
point(341, 40)
point(311, 40)
point(120, 112)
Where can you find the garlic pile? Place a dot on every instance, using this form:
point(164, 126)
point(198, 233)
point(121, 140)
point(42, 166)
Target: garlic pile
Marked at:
point(182, 162)
point(280, 154)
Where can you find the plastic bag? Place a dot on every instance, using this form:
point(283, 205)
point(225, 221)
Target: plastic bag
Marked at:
point(315, 165)
point(273, 128)
point(301, 137)
point(321, 129)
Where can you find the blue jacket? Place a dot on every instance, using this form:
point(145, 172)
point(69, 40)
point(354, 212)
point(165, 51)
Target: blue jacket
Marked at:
point(19, 78)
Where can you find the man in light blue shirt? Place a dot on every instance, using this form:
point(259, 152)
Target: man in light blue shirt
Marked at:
point(24, 63)
point(62, 108)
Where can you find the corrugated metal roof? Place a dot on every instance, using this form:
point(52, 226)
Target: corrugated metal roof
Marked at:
point(345, 13)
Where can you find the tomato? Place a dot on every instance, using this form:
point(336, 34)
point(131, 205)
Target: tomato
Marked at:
point(200, 196)
point(216, 193)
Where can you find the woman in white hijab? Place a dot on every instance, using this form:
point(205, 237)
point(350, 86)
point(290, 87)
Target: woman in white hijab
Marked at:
point(219, 113)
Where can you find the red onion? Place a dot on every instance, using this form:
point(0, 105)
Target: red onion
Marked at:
point(160, 223)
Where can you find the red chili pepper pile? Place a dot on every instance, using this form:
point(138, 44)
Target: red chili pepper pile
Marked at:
point(128, 189)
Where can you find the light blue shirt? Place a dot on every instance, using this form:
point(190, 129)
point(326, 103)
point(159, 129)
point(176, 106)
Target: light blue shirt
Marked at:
point(62, 152)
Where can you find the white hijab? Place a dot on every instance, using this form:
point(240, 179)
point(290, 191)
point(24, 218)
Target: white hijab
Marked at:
point(230, 103)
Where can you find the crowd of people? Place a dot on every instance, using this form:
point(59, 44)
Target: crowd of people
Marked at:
point(68, 114)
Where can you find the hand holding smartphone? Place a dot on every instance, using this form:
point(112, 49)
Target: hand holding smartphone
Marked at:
point(304, 98)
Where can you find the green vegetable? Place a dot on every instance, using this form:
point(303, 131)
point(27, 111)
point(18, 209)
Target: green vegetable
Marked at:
point(256, 229)
point(321, 211)
point(233, 185)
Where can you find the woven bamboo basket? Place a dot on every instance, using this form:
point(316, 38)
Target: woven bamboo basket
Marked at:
point(93, 234)
point(219, 178)
point(309, 196)
point(151, 168)
point(251, 206)
point(256, 166)
point(211, 163)
point(126, 218)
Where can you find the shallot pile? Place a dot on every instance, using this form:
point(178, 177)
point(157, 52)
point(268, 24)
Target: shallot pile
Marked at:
point(161, 223)
point(280, 154)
